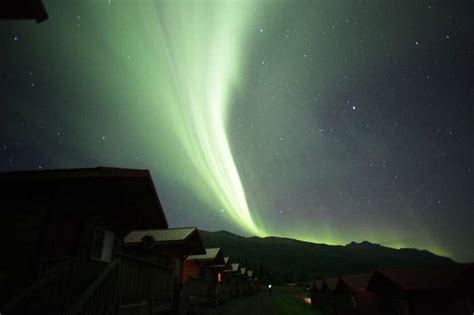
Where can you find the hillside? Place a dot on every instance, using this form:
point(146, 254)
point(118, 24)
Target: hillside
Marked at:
point(288, 260)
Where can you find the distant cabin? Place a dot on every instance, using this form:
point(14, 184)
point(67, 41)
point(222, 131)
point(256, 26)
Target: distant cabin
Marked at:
point(431, 290)
point(169, 247)
point(201, 266)
point(234, 275)
point(352, 296)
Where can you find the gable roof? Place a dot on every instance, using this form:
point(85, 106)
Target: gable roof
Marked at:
point(136, 204)
point(213, 255)
point(234, 268)
point(357, 282)
point(428, 277)
point(318, 284)
point(160, 235)
point(331, 283)
point(186, 239)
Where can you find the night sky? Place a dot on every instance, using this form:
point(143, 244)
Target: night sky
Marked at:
point(326, 121)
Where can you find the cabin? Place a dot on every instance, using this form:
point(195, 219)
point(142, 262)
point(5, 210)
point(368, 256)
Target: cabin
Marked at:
point(23, 10)
point(327, 295)
point(257, 284)
point(251, 289)
point(201, 278)
point(352, 296)
point(434, 290)
point(234, 275)
point(65, 230)
point(244, 282)
point(168, 247)
point(224, 280)
point(316, 293)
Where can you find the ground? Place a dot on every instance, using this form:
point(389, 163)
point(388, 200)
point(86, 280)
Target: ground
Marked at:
point(281, 301)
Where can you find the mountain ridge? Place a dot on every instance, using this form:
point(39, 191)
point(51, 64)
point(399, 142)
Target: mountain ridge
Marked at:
point(288, 260)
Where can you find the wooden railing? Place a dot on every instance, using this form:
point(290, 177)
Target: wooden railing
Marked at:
point(102, 296)
point(195, 291)
point(125, 281)
point(50, 292)
point(142, 280)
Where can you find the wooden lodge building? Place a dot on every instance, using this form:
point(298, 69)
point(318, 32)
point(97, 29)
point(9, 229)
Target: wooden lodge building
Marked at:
point(95, 241)
point(434, 290)
point(443, 289)
point(66, 229)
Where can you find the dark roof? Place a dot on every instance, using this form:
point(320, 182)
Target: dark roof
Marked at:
point(428, 277)
point(357, 282)
point(318, 284)
point(331, 283)
point(130, 193)
point(23, 9)
point(56, 174)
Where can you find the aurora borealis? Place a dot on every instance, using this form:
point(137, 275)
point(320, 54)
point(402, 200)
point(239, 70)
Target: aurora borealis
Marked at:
point(326, 121)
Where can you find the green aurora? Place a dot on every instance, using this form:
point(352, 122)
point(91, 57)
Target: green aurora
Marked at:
point(253, 116)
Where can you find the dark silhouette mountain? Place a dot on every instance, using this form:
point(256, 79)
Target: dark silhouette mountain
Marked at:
point(292, 260)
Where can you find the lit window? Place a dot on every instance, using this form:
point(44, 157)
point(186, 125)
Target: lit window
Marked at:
point(219, 277)
point(102, 245)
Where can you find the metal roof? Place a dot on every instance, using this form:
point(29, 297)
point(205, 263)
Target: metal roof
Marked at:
point(234, 268)
point(243, 270)
point(428, 277)
point(249, 273)
point(160, 235)
point(226, 260)
point(357, 282)
point(211, 253)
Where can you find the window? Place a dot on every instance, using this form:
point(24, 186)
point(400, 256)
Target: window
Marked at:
point(102, 245)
